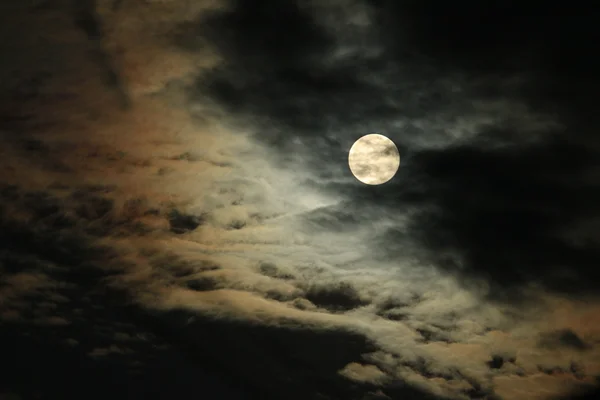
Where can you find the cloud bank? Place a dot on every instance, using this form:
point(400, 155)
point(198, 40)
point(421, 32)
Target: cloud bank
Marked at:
point(187, 162)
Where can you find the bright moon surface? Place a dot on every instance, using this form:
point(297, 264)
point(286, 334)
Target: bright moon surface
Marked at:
point(374, 159)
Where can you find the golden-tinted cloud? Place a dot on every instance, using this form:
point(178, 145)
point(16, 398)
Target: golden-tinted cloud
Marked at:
point(128, 187)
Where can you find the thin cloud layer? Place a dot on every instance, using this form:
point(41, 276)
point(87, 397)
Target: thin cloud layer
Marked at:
point(175, 176)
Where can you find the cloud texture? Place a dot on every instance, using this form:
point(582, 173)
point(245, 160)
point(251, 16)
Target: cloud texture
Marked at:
point(174, 174)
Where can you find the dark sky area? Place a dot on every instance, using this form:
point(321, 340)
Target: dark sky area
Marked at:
point(504, 208)
point(178, 220)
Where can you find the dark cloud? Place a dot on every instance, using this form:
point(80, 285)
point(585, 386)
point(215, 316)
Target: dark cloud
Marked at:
point(504, 211)
point(290, 84)
point(276, 72)
point(335, 297)
point(85, 15)
point(88, 358)
point(507, 211)
point(181, 223)
point(146, 254)
point(565, 338)
point(287, 362)
point(73, 336)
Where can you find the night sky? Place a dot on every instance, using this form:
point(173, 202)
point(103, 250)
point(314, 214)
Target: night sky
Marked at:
point(178, 218)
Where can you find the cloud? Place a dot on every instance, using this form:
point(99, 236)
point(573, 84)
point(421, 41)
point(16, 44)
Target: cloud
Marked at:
point(215, 206)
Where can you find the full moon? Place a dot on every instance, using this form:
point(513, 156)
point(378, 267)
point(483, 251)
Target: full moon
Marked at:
point(374, 159)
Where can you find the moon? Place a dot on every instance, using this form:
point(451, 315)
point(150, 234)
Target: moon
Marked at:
point(374, 159)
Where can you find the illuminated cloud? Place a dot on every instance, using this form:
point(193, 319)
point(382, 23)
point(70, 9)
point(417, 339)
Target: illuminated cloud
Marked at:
point(205, 191)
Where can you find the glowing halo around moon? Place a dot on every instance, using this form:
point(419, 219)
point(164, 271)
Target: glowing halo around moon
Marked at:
point(374, 159)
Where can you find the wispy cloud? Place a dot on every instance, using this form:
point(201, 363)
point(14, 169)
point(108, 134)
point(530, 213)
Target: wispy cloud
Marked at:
point(221, 197)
